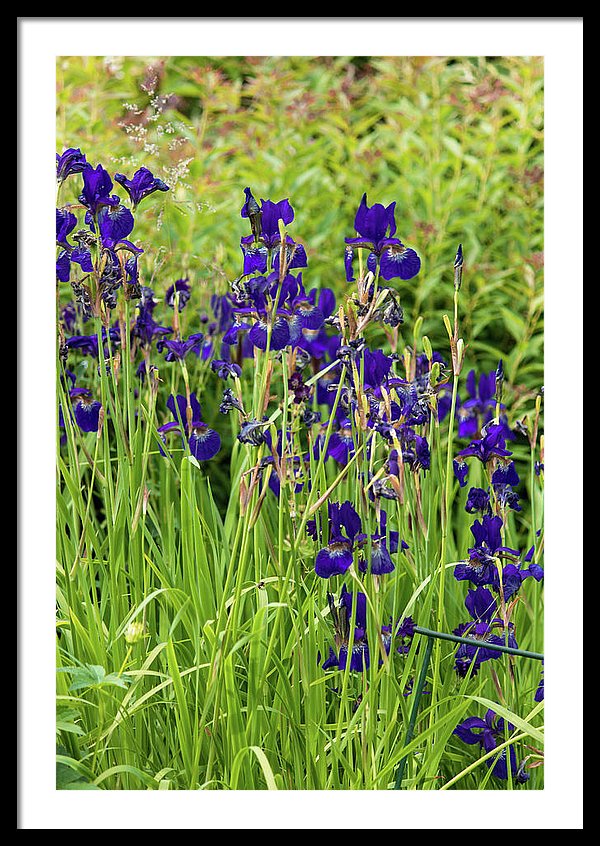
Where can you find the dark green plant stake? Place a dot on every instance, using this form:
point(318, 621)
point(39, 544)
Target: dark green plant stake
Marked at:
point(413, 714)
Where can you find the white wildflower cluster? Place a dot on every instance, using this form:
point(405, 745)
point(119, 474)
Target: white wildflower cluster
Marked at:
point(114, 65)
point(176, 174)
point(131, 107)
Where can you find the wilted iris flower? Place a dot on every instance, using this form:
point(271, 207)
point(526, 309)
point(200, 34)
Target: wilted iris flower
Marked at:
point(478, 500)
point(376, 226)
point(253, 432)
point(489, 733)
point(300, 391)
point(229, 401)
point(252, 211)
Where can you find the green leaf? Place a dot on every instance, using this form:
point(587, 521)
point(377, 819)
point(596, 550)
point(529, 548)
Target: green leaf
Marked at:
point(94, 675)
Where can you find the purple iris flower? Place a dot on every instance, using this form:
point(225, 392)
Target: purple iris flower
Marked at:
point(533, 569)
point(70, 161)
point(359, 655)
point(481, 605)
point(266, 238)
point(481, 567)
point(252, 313)
point(461, 471)
point(145, 327)
point(415, 452)
point(141, 185)
point(301, 311)
point(318, 343)
point(178, 349)
point(478, 500)
point(280, 333)
point(65, 223)
point(237, 333)
point(490, 444)
point(115, 223)
point(296, 313)
point(539, 693)
point(489, 733)
point(504, 479)
point(296, 386)
point(88, 344)
point(204, 443)
point(380, 561)
point(272, 213)
point(225, 369)
point(183, 290)
point(341, 615)
point(86, 410)
point(376, 226)
point(375, 366)
point(344, 532)
point(341, 445)
point(97, 186)
point(474, 413)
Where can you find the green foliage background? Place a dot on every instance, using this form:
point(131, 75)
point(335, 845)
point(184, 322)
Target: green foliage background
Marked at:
point(455, 142)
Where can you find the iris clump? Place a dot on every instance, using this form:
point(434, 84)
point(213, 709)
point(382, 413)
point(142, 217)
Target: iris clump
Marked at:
point(281, 471)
